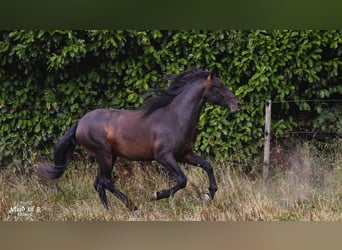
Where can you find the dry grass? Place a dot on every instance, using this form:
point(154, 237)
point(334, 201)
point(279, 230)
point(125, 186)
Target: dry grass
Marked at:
point(309, 189)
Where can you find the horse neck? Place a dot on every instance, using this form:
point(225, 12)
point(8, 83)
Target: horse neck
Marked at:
point(189, 104)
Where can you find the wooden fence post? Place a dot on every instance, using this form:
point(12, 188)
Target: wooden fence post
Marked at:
point(267, 136)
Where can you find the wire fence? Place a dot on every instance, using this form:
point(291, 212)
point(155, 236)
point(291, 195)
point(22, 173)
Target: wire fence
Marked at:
point(315, 100)
point(268, 133)
point(306, 132)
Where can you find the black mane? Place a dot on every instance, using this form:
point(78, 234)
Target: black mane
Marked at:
point(157, 98)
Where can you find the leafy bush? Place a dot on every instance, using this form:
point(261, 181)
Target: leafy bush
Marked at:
point(49, 79)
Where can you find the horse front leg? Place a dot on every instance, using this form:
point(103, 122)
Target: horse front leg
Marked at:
point(169, 162)
point(195, 160)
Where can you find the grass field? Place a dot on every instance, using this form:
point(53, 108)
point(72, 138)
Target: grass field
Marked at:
point(309, 187)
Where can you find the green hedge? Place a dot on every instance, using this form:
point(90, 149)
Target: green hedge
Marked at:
point(49, 79)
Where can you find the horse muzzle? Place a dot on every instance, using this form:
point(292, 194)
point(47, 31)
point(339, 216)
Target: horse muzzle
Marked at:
point(235, 107)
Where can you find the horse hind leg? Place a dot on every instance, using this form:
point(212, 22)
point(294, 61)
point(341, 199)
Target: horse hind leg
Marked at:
point(105, 163)
point(100, 189)
point(121, 196)
point(104, 182)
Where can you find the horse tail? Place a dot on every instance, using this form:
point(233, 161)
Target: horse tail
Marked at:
point(63, 151)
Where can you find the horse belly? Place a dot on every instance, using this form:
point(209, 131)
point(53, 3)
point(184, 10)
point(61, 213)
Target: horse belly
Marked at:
point(132, 143)
point(133, 150)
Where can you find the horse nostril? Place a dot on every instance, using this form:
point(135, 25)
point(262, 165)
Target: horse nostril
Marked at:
point(239, 104)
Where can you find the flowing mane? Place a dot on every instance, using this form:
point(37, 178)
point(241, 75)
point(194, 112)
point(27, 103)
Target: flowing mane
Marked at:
point(158, 98)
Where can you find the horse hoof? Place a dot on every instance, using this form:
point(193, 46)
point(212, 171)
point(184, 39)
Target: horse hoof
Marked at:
point(154, 196)
point(133, 208)
point(207, 198)
point(134, 215)
point(136, 212)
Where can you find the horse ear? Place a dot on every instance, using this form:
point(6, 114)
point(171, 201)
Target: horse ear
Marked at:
point(210, 77)
point(209, 81)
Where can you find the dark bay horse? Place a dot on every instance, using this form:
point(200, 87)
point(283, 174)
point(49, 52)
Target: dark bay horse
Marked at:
point(164, 130)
